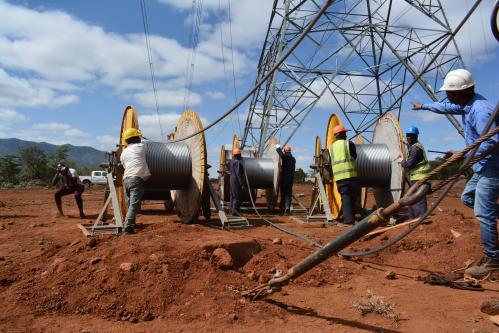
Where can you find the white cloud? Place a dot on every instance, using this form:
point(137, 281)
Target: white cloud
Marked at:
point(166, 98)
point(106, 142)
point(22, 92)
point(8, 116)
point(149, 124)
point(215, 94)
point(31, 43)
point(48, 127)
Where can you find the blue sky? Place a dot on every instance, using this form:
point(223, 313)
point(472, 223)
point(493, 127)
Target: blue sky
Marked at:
point(69, 68)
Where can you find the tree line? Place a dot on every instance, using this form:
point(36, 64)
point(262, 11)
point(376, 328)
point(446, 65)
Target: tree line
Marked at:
point(34, 164)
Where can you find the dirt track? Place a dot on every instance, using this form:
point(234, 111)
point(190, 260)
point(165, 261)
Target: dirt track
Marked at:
point(52, 280)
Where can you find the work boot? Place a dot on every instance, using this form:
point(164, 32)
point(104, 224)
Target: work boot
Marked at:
point(129, 230)
point(484, 267)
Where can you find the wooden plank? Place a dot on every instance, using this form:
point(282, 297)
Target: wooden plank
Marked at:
point(382, 230)
point(84, 230)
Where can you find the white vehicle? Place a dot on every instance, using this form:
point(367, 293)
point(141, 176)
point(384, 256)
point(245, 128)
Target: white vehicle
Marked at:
point(97, 178)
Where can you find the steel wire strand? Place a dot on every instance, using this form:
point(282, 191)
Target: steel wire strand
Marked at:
point(473, 148)
point(266, 76)
point(272, 224)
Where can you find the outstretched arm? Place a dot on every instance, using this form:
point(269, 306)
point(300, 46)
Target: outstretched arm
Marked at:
point(439, 107)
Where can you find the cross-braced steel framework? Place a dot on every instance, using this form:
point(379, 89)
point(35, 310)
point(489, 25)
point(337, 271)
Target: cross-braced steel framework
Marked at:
point(360, 60)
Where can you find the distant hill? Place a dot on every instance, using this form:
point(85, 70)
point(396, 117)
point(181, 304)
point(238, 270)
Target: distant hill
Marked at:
point(83, 156)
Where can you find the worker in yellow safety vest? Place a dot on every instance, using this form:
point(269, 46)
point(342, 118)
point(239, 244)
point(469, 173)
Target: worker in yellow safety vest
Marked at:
point(343, 155)
point(417, 167)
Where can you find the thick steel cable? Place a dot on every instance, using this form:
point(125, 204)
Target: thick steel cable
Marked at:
point(374, 165)
point(260, 172)
point(289, 232)
point(170, 166)
point(266, 76)
point(473, 148)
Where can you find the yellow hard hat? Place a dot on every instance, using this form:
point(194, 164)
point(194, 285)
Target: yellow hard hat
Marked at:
point(130, 133)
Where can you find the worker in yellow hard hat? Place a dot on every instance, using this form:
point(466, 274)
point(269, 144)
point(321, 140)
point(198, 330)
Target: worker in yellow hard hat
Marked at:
point(237, 183)
point(343, 155)
point(133, 159)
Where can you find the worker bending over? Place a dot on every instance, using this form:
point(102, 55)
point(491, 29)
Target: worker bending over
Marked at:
point(70, 184)
point(133, 159)
point(482, 190)
point(343, 155)
point(236, 181)
point(417, 166)
point(288, 164)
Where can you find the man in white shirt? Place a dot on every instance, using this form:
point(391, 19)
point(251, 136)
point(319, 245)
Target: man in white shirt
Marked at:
point(133, 159)
point(70, 184)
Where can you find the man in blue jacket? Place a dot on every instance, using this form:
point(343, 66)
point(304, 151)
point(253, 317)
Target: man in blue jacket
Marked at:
point(482, 190)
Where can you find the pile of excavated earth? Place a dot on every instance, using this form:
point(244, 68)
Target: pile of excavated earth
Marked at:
point(173, 277)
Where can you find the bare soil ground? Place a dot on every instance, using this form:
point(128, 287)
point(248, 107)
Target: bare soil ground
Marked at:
point(53, 280)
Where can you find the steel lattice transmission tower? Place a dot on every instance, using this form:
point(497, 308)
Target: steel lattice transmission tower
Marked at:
point(360, 58)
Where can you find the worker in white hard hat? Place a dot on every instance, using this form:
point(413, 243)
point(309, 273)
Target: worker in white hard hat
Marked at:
point(133, 159)
point(482, 190)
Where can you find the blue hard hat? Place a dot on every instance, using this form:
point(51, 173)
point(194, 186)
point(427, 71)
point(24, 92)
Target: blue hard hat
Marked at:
point(412, 130)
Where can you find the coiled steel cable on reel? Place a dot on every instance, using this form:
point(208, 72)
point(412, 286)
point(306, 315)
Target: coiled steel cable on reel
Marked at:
point(374, 165)
point(178, 169)
point(169, 164)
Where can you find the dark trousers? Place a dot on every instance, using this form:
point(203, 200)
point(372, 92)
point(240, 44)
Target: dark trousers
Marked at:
point(286, 193)
point(235, 197)
point(78, 190)
point(419, 208)
point(349, 190)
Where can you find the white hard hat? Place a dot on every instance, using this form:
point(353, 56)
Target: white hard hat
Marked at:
point(458, 79)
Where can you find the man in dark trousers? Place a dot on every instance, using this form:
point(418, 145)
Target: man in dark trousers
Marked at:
point(482, 190)
point(288, 164)
point(417, 166)
point(70, 184)
point(343, 155)
point(236, 181)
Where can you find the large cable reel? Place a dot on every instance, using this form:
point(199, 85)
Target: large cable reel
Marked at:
point(177, 169)
point(378, 164)
point(263, 172)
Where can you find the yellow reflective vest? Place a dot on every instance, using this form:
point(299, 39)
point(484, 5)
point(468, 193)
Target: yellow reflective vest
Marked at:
point(342, 163)
point(422, 168)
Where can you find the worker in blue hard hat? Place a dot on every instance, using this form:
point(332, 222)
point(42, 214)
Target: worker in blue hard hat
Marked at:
point(417, 167)
point(482, 190)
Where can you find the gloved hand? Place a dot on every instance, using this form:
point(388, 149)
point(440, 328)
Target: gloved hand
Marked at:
point(277, 146)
